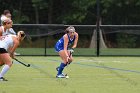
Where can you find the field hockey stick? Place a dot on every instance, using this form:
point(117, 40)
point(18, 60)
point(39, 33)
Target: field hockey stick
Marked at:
point(67, 62)
point(27, 65)
point(69, 56)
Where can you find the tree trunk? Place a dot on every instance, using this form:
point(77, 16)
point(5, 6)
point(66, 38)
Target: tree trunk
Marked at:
point(37, 15)
point(50, 12)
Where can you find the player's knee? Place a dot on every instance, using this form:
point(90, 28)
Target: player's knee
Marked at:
point(1, 63)
point(9, 63)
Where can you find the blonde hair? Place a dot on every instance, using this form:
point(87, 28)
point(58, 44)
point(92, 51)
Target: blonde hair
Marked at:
point(21, 35)
point(5, 20)
point(70, 29)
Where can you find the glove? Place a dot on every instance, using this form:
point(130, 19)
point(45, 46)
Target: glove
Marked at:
point(71, 50)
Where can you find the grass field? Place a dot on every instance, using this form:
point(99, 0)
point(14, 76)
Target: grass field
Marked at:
point(82, 51)
point(87, 75)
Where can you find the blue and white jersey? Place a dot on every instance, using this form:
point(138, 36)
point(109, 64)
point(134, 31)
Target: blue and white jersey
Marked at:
point(60, 44)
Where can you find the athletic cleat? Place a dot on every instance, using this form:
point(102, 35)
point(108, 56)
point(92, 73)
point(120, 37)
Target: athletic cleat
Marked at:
point(61, 76)
point(3, 79)
point(64, 74)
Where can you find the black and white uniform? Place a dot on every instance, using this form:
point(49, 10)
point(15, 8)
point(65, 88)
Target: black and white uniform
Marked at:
point(5, 43)
point(8, 31)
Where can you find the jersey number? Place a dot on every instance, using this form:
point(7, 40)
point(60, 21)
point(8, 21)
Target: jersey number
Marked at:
point(2, 38)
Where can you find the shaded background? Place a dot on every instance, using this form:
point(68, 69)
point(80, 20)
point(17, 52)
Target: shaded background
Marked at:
point(45, 20)
point(113, 12)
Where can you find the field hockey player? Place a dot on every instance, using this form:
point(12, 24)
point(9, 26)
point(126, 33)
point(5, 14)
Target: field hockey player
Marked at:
point(8, 45)
point(70, 38)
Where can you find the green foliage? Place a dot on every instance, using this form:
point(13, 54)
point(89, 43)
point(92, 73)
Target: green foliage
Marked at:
point(126, 40)
point(41, 4)
point(120, 11)
point(18, 18)
point(73, 11)
point(78, 11)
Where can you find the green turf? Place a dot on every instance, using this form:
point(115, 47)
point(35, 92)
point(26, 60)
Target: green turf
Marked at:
point(81, 51)
point(87, 75)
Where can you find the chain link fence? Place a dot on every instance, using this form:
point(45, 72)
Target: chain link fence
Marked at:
point(115, 40)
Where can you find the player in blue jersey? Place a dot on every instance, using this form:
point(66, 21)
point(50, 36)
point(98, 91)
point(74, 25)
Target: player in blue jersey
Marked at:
point(69, 39)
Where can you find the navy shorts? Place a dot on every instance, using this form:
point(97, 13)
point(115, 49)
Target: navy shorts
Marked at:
point(58, 48)
point(2, 50)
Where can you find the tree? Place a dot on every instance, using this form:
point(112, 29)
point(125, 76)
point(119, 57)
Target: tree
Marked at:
point(39, 5)
point(121, 11)
point(73, 11)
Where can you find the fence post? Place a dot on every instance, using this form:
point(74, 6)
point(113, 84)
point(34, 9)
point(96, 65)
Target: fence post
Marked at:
point(98, 27)
point(45, 54)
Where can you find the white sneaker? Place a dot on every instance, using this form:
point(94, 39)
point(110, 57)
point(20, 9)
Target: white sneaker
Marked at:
point(61, 76)
point(3, 79)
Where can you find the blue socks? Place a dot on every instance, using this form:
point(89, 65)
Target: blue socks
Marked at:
point(61, 67)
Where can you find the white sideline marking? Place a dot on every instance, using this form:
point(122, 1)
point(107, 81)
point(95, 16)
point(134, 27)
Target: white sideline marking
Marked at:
point(103, 61)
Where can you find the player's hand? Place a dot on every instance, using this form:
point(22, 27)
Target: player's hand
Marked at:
point(68, 58)
point(12, 55)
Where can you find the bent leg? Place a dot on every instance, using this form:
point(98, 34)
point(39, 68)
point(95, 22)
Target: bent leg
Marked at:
point(71, 58)
point(64, 63)
point(6, 59)
point(1, 63)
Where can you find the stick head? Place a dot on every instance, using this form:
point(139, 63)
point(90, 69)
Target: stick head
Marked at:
point(28, 65)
